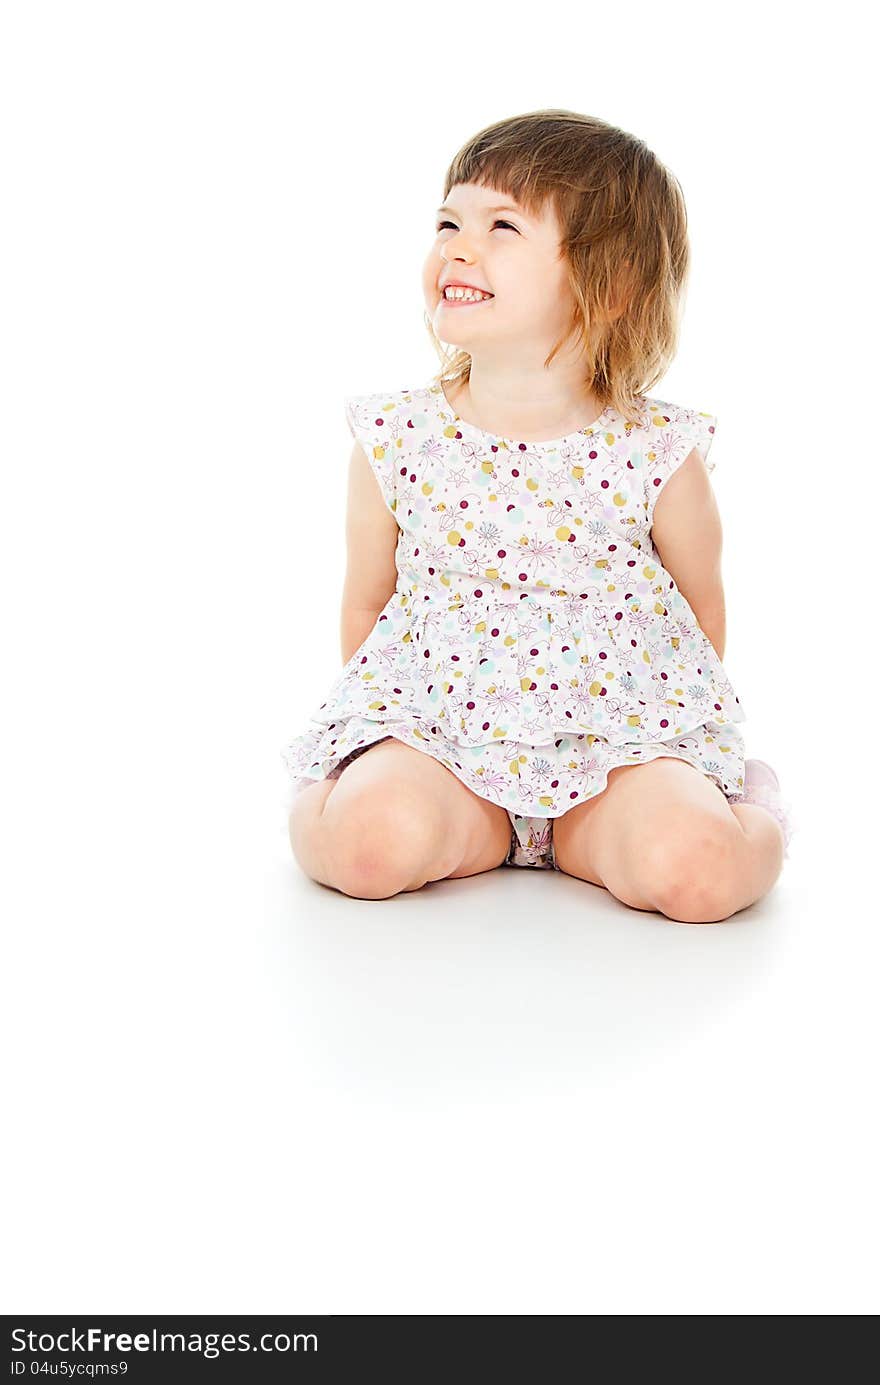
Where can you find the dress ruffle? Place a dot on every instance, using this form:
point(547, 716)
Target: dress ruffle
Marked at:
point(531, 670)
point(533, 782)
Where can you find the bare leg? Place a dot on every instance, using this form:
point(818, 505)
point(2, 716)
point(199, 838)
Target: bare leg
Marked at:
point(306, 838)
point(663, 837)
point(394, 820)
point(763, 857)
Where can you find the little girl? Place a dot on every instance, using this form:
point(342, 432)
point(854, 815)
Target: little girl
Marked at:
point(533, 615)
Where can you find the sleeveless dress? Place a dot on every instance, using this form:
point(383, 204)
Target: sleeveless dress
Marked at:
point(534, 640)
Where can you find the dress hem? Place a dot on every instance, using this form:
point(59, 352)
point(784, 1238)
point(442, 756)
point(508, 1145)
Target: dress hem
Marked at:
point(528, 808)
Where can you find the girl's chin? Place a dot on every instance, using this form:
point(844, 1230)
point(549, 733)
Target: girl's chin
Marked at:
point(447, 319)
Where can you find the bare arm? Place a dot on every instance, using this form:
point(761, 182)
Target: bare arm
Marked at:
point(686, 533)
point(371, 534)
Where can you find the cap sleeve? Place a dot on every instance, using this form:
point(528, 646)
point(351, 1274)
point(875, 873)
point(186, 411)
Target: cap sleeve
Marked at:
point(370, 419)
point(676, 432)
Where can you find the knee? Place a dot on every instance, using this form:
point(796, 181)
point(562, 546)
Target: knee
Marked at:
point(691, 872)
point(378, 849)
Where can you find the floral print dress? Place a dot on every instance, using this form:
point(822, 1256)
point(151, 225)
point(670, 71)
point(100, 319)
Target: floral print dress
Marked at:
point(534, 640)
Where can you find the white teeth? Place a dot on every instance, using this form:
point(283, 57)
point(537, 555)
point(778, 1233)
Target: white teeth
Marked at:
point(469, 295)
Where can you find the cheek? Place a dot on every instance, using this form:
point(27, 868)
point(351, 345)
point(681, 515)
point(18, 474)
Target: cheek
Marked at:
point(431, 271)
point(539, 305)
point(557, 303)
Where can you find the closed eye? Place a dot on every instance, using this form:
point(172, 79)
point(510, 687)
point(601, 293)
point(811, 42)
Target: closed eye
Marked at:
point(496, 223)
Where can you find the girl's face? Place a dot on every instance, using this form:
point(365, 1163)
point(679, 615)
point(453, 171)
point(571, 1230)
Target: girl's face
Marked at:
point(485, 240)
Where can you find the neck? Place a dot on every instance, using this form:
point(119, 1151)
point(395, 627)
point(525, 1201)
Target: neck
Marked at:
point(530, 407)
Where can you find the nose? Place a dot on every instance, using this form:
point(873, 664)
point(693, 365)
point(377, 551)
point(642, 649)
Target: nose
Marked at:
point(459, 255)
point(454, 240)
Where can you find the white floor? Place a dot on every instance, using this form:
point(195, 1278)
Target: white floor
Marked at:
point(236, 1090)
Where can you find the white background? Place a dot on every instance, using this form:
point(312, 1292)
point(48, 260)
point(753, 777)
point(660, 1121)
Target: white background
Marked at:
point(229, 1089)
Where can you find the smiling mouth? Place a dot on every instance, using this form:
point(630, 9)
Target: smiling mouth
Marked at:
point(465, 302)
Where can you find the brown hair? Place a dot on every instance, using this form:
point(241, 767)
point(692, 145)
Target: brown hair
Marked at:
point(624, 235)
